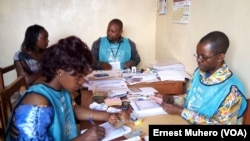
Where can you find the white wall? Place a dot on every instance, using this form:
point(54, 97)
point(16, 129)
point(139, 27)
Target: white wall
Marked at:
point(87, 19)
point(230, 16)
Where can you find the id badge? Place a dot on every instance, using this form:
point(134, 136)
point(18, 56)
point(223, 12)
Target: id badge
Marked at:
point(115, 65)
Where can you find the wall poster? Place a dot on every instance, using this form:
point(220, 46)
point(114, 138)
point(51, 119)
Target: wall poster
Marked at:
point(162, 7)
point(181, 11)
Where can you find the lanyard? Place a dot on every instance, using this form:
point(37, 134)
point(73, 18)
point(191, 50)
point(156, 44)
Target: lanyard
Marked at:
point(114, 55)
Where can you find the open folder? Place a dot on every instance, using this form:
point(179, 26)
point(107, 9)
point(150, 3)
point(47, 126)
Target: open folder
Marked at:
point(111, 132)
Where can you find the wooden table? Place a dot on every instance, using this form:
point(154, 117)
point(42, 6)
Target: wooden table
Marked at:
point(164, 87)
point(161, 120)
point(86, 99)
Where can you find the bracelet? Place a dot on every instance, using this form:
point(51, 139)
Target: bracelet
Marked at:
point(90, 116)
point(90, 119)
point(73, 104)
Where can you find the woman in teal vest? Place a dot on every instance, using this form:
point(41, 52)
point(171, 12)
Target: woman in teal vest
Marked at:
point(215, 94)
point(46, 111)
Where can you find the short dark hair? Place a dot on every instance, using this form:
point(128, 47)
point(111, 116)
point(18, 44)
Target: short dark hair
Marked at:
point(69, 54)
point(31, 36)
point(118, 22)
point(218, 40)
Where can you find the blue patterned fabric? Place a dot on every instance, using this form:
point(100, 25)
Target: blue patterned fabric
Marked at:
point(55, 123)
point(32, 122)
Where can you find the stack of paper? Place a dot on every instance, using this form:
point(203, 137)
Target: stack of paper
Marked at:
point(98, 107)
point(178, 66)
point(173, 75)
point(121, 92)
point(170, 69)
point(111, 92)
point(106, 84)
point(168, 64)
point(143, 91)
point(104, 79)
point(104, 74)
point(113, 101)
point(143, 77)
point(146, 108)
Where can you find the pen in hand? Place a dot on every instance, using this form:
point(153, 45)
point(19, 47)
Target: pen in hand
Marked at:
point(91, 121)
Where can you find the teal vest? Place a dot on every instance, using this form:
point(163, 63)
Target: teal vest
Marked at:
point(110, 52)
point(207, 99)
point(63, 126)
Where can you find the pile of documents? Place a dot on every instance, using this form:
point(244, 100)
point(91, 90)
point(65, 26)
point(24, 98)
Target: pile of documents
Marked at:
point(104, 79)
point(105, 74)
point(170, 70)
point(141, 77)
point(113, 101)
point(146, 108)
point(111, 92)
point(142, 93)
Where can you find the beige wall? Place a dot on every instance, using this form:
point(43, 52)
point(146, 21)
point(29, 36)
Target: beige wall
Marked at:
point(87, 19)
point(230, 16)
point(155, 35)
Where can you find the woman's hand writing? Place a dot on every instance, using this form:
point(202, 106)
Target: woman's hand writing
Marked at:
point(95, 133)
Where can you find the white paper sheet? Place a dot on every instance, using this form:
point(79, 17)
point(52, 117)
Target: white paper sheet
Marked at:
point(111, 132)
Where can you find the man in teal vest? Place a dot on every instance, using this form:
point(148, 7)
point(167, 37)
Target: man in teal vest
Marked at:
point(114, 51)
point(215, 94)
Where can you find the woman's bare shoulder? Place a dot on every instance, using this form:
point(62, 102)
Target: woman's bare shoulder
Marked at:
point(35, 99)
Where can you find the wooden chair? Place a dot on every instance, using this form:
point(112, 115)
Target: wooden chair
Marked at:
point(3, 71)
point(16, 87)
point(2, 128)
point(246, 116)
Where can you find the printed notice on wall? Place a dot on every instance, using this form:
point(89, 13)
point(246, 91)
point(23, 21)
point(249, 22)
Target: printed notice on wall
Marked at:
point(181, 11)
point(162, 7)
